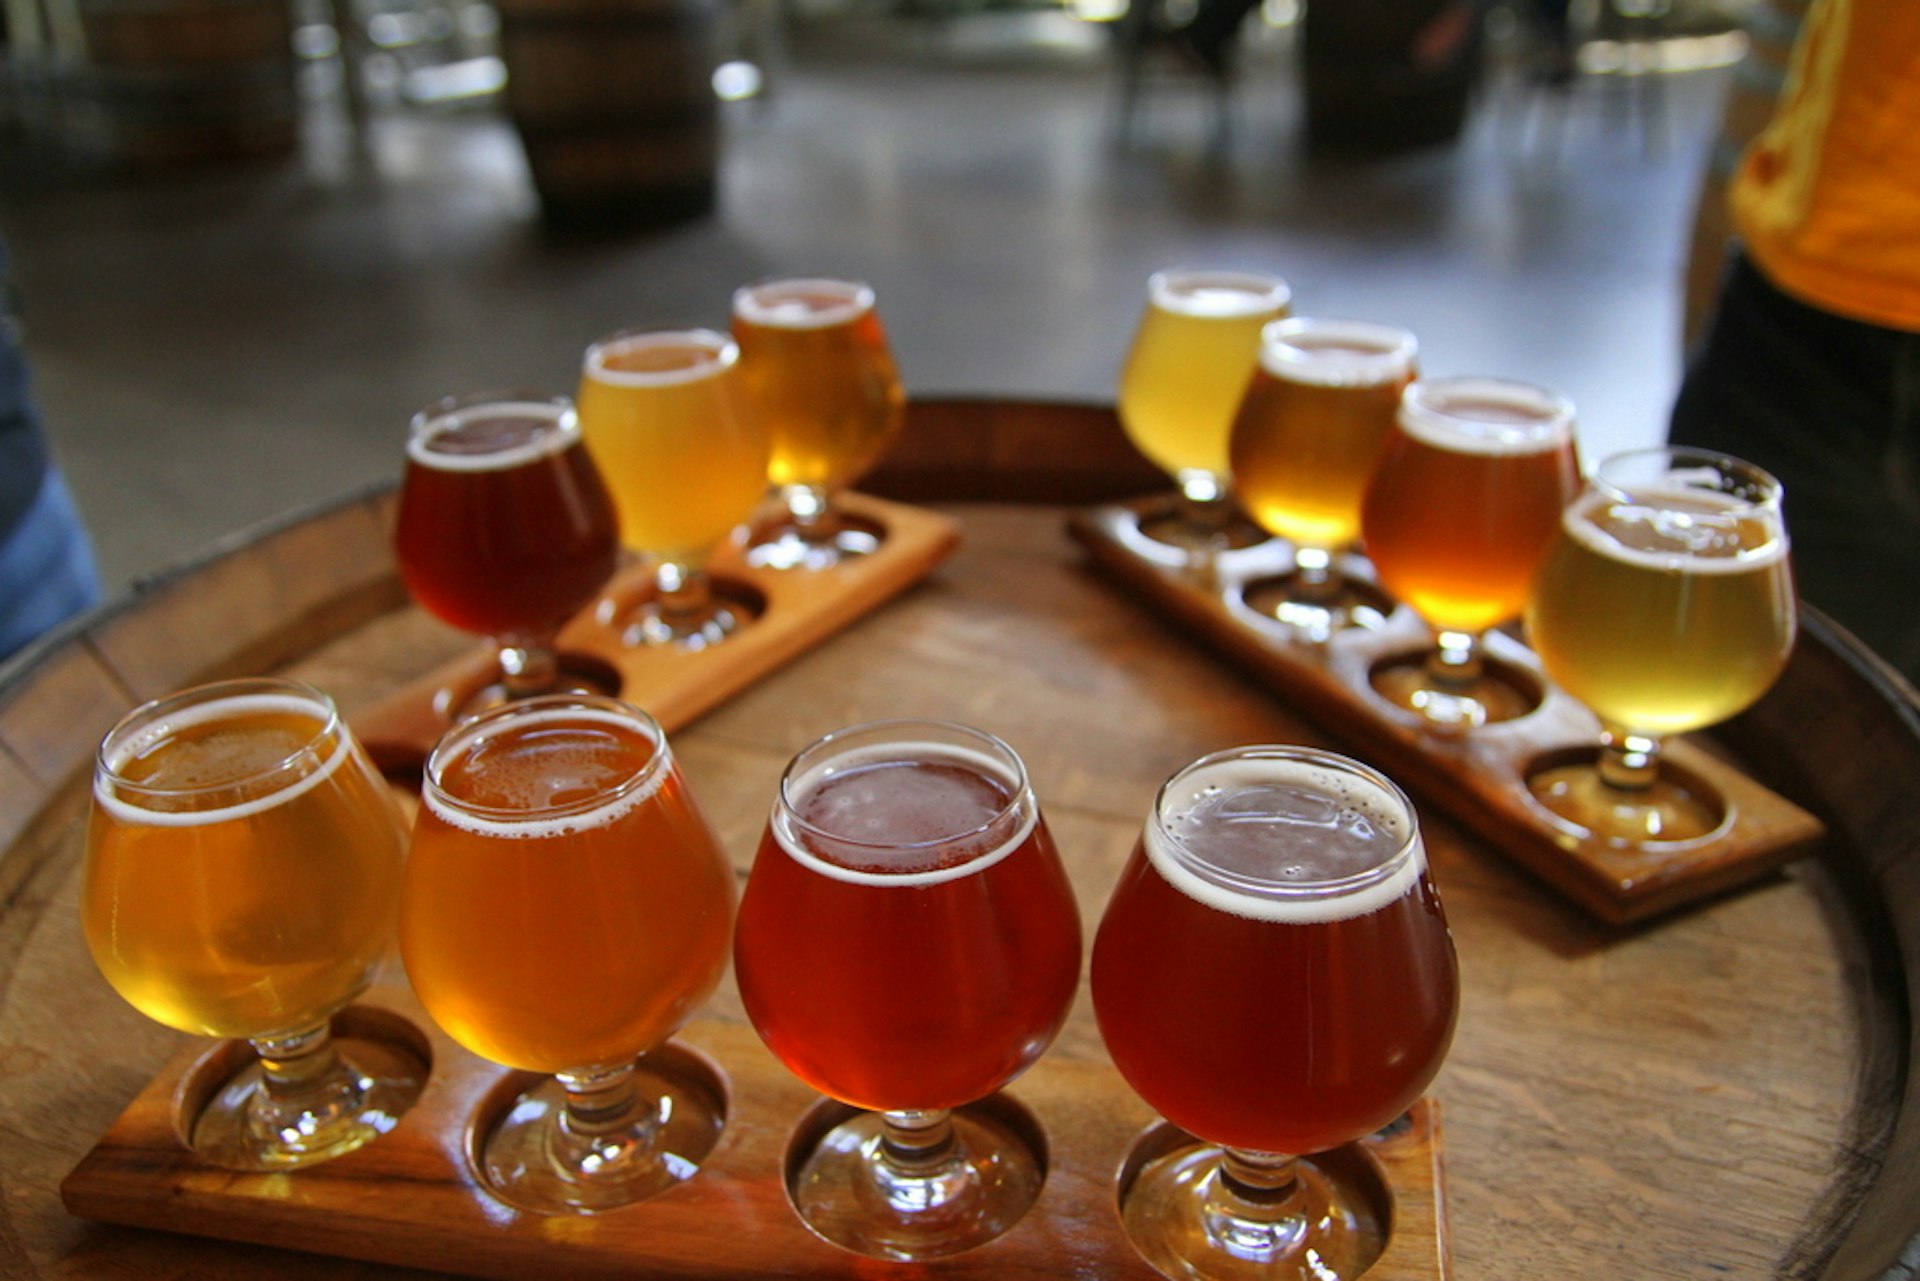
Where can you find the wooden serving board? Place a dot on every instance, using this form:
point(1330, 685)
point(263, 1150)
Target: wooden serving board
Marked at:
point(411, 1198)
point(797, 609)
point(1479, 778)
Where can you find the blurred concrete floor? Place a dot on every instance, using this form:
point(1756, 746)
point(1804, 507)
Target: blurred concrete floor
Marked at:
point(214, 349)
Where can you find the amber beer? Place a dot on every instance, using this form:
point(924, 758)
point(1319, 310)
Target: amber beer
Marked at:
point(1192, 356)
point(908, 938)
point(1665, 611)
point(505, 527)
point(663, 416)
point(1467, 498)
point(820, 376)
point(1320, 404)
point(1273, 972)
point(243, 864)
point(565, 904)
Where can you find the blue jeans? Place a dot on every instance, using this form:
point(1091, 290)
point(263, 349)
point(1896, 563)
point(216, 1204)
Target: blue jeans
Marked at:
point(1832, 408)
point(46, 567)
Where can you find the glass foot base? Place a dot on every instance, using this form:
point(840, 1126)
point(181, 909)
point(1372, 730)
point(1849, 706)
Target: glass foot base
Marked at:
point(1318, 618)
point(1668, 811)
point(363, 1099)
point(791, 548)
point(845, 1194)
point(1455, 707)
point(528, 1159)
point(1184, 1221)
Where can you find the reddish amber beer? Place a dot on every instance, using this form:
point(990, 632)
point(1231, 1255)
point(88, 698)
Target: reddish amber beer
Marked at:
point(1274, 975)
point(565, 909)
point(505, 528)
point(908, 943)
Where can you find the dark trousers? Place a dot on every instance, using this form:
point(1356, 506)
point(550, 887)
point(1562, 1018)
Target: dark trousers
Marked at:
point(1832, 408)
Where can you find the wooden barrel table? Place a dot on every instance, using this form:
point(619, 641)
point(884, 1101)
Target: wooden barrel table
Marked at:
point(1723, 1092)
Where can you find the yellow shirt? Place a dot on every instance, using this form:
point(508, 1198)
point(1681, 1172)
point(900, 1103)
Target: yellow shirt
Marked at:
point(1827, 198)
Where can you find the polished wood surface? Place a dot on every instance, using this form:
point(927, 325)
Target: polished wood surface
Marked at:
point(1721, 1092)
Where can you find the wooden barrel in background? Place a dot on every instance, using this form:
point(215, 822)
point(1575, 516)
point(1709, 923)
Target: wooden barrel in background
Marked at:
point(614, 104)
point(185, 82)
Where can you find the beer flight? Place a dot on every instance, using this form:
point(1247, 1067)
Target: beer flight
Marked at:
point(907, 941)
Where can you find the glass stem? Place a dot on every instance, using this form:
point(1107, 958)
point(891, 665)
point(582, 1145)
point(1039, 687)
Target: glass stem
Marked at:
point(304, 1087)
point(917, 1143)
point(685, 593)
point(602, 1125)
point(1254, 1209)
point(527, 667)
point(1629, 762)
point(1456, 663)
point(1314, 579)
point(807, 504)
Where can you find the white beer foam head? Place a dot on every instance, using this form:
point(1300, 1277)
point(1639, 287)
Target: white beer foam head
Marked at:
point(1336, 353)
point(1217, 295)
point(1693, 540)
point(1474, 415)
point(787, 826)
point(710, 354)
point(1328, 797)
point(813, 303)
point(539, 819)
point(117, 752)
point(560, 429)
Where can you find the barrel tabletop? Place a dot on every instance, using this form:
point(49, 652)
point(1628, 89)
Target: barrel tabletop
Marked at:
point(1721, 1092)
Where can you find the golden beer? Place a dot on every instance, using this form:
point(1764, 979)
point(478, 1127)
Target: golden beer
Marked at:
point(663, 417)
point(1192, 356)
point(820, 377)
point(243, 865)
point(1467, 497)
point(566, 906)
point(1307, 434)
point(1667, 611)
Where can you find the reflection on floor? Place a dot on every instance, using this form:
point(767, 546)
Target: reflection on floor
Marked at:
point(214, 348)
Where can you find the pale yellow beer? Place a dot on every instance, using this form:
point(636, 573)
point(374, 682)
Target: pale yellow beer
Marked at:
point(1665, 610)
point(243, 865)
point(1307, 434)
point(663, 417)
point(819, 376)
point(1192, 356)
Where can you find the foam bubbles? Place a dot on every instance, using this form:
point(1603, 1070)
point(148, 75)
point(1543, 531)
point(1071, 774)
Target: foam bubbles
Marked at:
point(665, 358)
point(525, 791)
point(1485, 416)
point(1336, 353)
point(1220, 295)
point(803, 304)
point(1678, 530)
point(493, 437)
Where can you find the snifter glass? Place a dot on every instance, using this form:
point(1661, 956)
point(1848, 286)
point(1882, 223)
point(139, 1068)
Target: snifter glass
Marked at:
point(566, 909)
point(1666, 605)
point(504, 529)
point(908, 944)
point(242, 880)
point(1274, 975)
point(821, 378)
point(663, 413)
point(1462, 506)
point(1192, 354)
point(1303, 446)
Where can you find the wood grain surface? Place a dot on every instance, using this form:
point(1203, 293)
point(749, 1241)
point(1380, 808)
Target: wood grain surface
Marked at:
point(1723, 1092)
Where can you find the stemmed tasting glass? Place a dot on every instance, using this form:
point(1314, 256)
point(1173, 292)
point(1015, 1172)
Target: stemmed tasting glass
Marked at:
point(908, 944)
point(1193, 352)
point(505, 529)
point(1462, 506)
point(1303, 445)
point(663, 414)
point(1274, 975)
point(242, 880)
point(566, 909)
point(1666, 605)
point(821, 378)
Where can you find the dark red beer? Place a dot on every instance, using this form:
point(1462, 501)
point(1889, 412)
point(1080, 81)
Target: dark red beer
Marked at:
point(908, 938)
point(505, 527)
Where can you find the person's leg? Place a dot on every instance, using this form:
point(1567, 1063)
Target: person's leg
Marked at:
point(47, 573)
point(1832, 408)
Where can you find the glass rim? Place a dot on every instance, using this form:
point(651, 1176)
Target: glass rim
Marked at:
point(462, 737)
point(1759, 490)
point(1550, 414)
point(1163, 284)
point(857, 295)
point(1019, 799)
point(1283, 891)
point(142, 720)
point(1394, 351)
point(723, 353)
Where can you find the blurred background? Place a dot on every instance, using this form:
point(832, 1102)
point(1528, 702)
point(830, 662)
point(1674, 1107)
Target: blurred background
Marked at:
point(250, 237)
